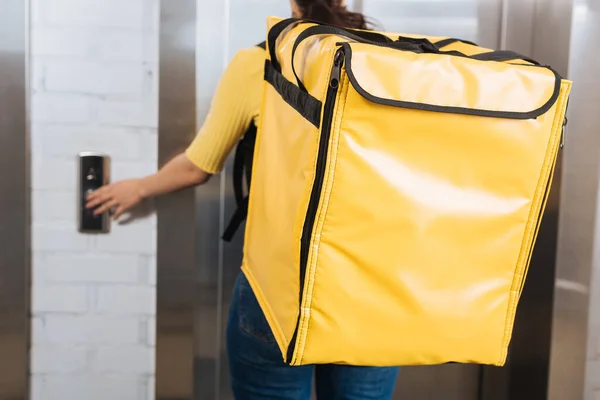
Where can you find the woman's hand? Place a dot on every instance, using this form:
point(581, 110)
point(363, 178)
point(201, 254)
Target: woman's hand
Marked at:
point(177, 174)
point(118, 197)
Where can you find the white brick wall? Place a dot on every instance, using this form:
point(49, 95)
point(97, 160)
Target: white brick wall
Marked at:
point(94, 87)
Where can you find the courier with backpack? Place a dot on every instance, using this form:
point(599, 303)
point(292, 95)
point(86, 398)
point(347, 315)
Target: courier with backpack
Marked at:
point(397, 185)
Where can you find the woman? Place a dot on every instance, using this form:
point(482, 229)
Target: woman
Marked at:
point(257, 369)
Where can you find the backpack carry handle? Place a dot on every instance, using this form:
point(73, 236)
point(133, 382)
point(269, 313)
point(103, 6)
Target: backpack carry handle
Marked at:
point(417, 45)
point(447, 42)
point(281, 26)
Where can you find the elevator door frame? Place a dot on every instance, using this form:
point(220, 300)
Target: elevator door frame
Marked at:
point(15, 239)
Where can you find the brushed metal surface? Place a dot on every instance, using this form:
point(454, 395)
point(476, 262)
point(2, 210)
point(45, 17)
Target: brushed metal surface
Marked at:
point(457, 18)
point(176, 236)
point(579, 195)
point(542, 331)
point(233, 25)
point(14, 201)
point(211, 45)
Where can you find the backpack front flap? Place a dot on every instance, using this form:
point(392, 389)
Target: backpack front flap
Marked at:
point(404, 220)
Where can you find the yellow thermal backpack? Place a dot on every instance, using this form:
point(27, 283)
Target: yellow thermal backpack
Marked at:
point(397, 188)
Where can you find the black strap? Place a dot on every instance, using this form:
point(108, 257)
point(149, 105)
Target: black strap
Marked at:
point(242, 167)
point(410, 44)
point(503, 55)
point(272, 37)
point(417, 45)
point(238, 218)
point(447, 42)
point(238, 174)
point(301, 101)
point(281, 26)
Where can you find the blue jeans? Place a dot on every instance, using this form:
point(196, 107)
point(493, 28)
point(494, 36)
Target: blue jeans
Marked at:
point(259, 373)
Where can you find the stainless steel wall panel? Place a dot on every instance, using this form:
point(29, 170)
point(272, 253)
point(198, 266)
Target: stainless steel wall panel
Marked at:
point(224, 28)
point(176, 285)
point(531, 27)
point(14, 201)
point(579, 195)
point(211, 57)
point(438, 18)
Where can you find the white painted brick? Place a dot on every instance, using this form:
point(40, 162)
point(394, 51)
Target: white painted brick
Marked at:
point(144, 269)
point(60, 108)
point(56, 238)
point(88, 387)
point(37, 11)
point(36, 387)
point(59, 298)
point(105, 13)
point(88, 268)
point(94, 78)
point(55, 359)
point(151, 335)
point(119, 143)
point(125, 359)
point(142, 113)
point(147, 274)
point(133, 237)
point(57, 329)
point(151, 48)
point(49, 206)
point(55, 173)
point(127, 170)
point(63, 41)
point(154, 271)
point(94, 88)
point(37, 76)
point(150, 389)
point(119, 45)
point(149, 148)
point(126, 300)
point(99, 44)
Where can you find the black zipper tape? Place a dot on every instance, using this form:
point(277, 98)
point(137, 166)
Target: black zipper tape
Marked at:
point(315, 196)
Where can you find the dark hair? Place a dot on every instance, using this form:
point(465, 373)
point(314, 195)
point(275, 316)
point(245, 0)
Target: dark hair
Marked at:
point(331, 12)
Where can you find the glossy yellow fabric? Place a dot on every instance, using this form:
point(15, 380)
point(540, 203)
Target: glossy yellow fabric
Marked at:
point(426, 220)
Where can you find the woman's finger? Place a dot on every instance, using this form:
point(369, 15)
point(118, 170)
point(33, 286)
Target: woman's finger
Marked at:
point(120, 210)
point(97, 193)
point(99, 198)
point(106, 206)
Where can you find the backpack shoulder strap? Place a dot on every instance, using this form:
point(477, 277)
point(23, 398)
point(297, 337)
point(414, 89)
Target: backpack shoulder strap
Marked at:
point(242, 168)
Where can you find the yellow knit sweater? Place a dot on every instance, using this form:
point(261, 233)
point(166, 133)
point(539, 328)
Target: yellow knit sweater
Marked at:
point(235, 105)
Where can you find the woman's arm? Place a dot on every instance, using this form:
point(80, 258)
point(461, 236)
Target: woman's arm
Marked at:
point(177, 174)
point(235, 104)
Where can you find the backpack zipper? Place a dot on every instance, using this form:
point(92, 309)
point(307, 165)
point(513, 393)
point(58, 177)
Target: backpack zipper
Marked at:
point(315, 196)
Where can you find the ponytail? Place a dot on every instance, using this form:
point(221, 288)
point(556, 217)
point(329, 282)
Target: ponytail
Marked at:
point(331, 12)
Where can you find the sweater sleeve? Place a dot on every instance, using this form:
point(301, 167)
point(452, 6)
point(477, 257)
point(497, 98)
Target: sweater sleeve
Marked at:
point(235, 105)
